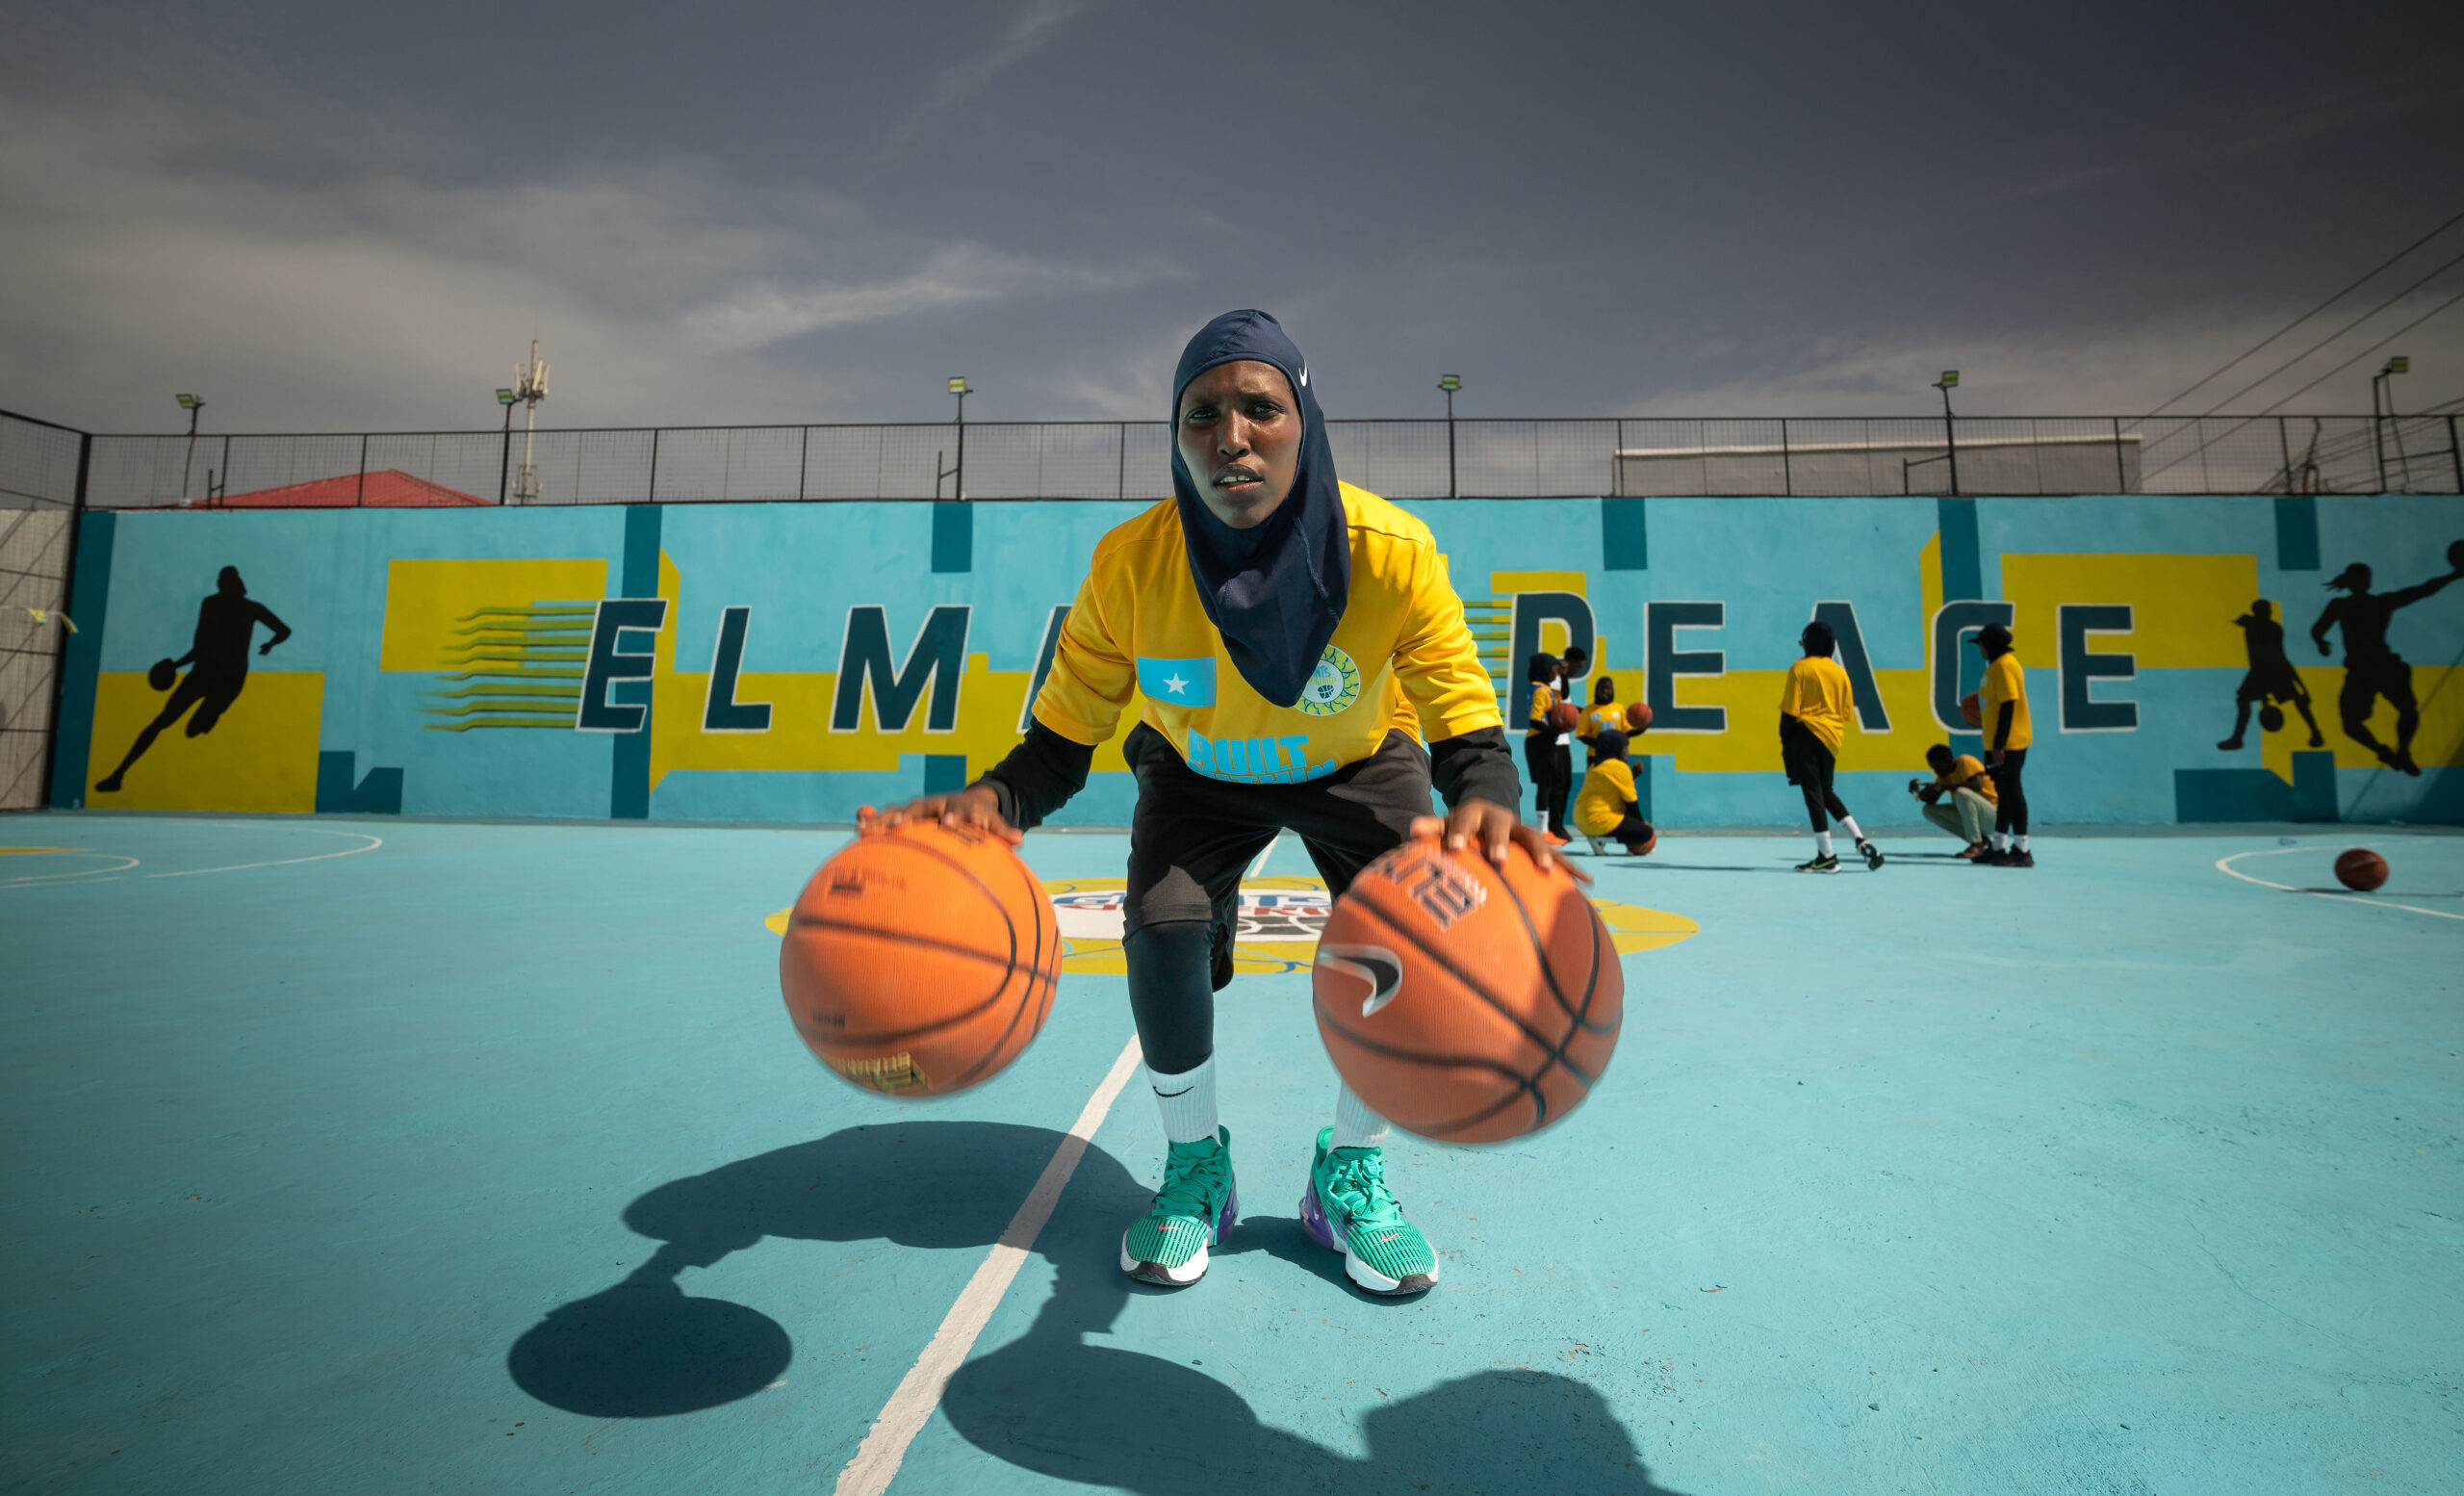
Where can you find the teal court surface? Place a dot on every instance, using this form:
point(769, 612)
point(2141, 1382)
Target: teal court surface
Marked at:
point(371, 1155)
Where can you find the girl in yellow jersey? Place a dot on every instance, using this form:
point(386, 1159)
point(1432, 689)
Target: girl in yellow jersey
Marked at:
point(1603, 715)
point(2006, 736)
point(1297, 643)
point(1814, 716)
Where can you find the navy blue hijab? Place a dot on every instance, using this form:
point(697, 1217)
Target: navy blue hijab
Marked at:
point(1276, 592)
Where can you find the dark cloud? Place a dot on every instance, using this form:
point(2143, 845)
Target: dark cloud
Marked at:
point(352, 216)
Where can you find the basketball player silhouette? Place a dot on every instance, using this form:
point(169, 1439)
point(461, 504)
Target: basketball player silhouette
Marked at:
point(218, 661)
point(2373, 670)
point(2272, 676)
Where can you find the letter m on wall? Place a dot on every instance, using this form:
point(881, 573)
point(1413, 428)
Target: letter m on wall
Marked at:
point(935, 660)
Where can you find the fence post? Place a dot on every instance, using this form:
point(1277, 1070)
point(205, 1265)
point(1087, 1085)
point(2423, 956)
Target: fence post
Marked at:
point(359, 500)
point(1120, 478)
point(67, 599)
point(1787, 466)
point(804, 461)
point(2455, 454)
point(2121, 473)
point(652, 496)
point(2284, 449)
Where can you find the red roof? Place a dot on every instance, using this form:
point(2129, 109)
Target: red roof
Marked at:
point(390, 489)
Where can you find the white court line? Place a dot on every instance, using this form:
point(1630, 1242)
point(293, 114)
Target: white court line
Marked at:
point(373, 843)
point(1260, 866)
point(919, 1392)
point(2224, 865)
point(125, 863)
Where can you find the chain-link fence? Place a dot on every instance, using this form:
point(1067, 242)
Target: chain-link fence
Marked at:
point(37, 522)
point(1401, 459)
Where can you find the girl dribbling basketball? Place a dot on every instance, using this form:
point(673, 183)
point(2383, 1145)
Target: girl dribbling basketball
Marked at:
point(1296, 641)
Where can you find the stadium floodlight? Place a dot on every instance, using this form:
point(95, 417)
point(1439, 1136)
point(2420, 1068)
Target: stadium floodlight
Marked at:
point(957, 385)
point(1449, 384)
point(192, 404)
point(504, 397)
point(2382, 393)
point(1950, 382)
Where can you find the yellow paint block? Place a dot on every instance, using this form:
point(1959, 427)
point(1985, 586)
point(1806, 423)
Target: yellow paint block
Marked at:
point(2182, 606)
point(261, 755)
point(429, 604)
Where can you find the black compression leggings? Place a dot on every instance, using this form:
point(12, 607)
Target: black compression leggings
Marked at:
point(1171, 993)
point(2010, 809)
point(1820, 798)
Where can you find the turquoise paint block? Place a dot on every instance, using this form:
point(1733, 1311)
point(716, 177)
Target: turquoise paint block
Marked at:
point(629, 787)
point(90, 593)
point(944, 773)
point(381, 793)
point(2296, 532)
point(2314, 786)
point(953, 537)
point(1963, 558)
point(1625, 540)
point(2257, 794)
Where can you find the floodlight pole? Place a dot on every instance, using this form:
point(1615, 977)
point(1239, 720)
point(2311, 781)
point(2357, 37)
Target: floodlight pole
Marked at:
point(189, 462)
point(504, 457)
point(957, 473)
point(1950, 435)
point(2378, 437)
point(531, 388)
point(1449, 384)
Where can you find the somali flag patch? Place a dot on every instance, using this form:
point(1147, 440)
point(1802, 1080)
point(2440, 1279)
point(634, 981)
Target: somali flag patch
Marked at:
point(1181, 682)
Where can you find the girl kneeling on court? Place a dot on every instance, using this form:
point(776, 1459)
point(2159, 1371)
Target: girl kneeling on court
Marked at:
point(1288, 632)
point(1610, 805)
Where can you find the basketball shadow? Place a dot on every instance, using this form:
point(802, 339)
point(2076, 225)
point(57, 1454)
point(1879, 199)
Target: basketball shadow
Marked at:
point(1049, 1401)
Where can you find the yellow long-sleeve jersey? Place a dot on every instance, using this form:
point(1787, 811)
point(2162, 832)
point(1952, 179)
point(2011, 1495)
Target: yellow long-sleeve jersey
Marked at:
point(1403, 655)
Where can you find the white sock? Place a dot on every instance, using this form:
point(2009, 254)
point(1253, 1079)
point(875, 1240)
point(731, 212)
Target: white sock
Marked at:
point(2001, 842)
point(1822, 844)
point(1848, 824)
point(1186, 1101)
point(2022, 839)
point(1355, 1124)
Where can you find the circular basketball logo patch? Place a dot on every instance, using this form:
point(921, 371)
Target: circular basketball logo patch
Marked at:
point(1333, 686)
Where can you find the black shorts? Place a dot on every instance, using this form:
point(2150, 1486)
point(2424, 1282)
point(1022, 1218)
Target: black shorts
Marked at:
point(1808, 758)
point(1192, 837)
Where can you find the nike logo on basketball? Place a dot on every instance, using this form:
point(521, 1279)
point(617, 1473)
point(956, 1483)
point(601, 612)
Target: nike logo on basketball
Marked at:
point(1382, 969)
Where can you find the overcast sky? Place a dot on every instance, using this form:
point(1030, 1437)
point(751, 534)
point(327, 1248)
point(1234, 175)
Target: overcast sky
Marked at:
point(342, 216)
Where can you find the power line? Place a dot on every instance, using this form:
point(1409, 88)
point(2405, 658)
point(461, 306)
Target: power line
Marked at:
point(2316, 310)
point(2206, 441)
point(2313, 347)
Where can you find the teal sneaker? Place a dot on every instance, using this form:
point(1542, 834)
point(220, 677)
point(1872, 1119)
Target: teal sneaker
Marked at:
point(1196, 1206)
point(1348, 1210)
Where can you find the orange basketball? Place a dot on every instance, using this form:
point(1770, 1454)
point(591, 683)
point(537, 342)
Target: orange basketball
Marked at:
point(1564, 715)
point(1972, 711)
point(2361, 869)
point(1649, 842)
point(920, 961)
point(1464, 1002)
point(1638, 717)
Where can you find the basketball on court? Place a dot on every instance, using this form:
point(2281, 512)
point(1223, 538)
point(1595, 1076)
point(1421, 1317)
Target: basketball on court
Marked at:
point(1564, 715)
point(2361, 869)
point(1465, 1002)
point(2271, 718)
point(162, 676)
point(920, 961)
point(1638, 718)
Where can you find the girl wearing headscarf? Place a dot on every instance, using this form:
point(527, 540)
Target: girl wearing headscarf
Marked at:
point(1296, 642)
point(1550, 783)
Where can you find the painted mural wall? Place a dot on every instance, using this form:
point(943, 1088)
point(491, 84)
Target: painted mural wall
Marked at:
point(791, 662)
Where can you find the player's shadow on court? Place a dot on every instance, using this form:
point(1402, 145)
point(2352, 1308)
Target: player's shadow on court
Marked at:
point(1049, 1401)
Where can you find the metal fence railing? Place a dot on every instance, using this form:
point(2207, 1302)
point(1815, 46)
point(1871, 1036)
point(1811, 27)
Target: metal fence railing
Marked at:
point(1413, 459)
point(39, 475)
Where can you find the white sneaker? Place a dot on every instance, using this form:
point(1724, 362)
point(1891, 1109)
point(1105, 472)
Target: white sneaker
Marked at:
point(1597, 847)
